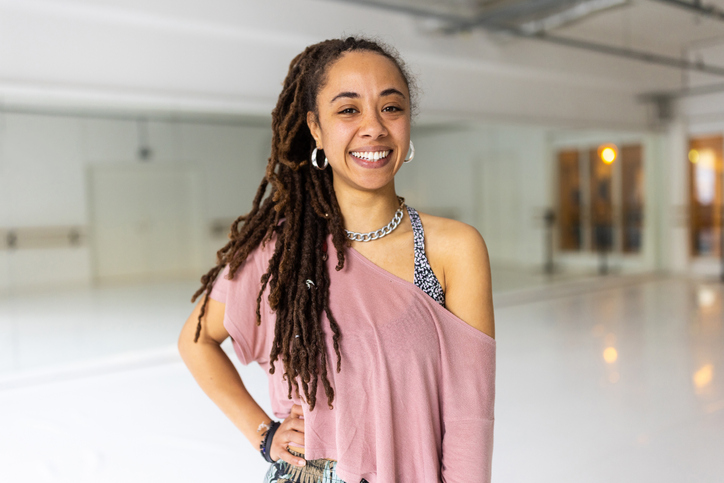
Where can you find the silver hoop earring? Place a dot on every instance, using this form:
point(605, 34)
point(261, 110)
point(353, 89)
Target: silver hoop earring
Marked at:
point(410, 154)
point(314, 160)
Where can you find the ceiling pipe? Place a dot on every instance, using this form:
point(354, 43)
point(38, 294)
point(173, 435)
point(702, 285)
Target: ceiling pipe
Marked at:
point(696, 7)
point(460, 24)
point(504, 14)
point(571, 14)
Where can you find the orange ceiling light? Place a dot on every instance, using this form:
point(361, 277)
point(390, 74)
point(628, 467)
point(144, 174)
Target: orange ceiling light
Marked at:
point(608, 153)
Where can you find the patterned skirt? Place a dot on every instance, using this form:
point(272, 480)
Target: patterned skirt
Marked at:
point(315, 471)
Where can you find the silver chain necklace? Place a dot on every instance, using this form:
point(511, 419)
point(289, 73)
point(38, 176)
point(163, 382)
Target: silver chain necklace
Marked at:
point(385, 230)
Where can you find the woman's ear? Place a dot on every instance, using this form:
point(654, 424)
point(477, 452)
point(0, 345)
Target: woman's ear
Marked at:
point(314, 128)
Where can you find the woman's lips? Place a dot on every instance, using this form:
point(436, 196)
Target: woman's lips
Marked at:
point(371, 159)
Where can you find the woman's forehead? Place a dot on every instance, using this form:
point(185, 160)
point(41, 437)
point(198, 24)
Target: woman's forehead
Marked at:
point(363, 73)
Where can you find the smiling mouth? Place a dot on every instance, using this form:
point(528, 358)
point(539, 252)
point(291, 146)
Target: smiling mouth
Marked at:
point(371, 156)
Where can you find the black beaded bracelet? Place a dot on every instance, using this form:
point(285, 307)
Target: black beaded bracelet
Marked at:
point(265, 447)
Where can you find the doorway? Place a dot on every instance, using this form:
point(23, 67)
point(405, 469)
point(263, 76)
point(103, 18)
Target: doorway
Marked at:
point(705, 195)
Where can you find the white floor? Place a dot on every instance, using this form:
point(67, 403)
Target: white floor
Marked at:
point(92, 389)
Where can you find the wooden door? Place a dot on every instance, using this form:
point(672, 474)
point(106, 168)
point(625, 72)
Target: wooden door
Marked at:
point(705, 195)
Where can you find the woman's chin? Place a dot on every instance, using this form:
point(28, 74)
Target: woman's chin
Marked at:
point(367, 183)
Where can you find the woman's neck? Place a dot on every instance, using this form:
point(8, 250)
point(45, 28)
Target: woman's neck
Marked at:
point(365, 211)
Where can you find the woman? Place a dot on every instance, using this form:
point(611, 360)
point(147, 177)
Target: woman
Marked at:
point(333, 266)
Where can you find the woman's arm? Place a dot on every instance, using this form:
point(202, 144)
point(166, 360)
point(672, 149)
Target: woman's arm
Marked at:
point(469, 368)
point(217, 376)
point(468, 286)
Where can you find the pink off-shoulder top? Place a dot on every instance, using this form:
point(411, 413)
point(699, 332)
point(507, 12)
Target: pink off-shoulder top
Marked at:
point(414, 401)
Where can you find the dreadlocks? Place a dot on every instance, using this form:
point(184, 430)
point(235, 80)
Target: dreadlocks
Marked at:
point(305, 198)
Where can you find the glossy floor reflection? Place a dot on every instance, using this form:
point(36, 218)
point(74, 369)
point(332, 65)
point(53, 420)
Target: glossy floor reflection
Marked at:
point(599, 380)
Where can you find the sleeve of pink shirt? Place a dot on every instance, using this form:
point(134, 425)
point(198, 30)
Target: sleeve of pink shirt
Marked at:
point(240, 295)
point(468, 399)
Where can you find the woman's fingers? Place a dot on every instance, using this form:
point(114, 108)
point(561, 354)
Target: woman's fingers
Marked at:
point(296, 424)
point(280, 446)
point(296, 419)
point(294, 438)
point(297, 411)
point(285, 455)
point(290, 432)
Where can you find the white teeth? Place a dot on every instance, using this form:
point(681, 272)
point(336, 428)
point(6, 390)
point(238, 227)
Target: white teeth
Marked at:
point(370, 156)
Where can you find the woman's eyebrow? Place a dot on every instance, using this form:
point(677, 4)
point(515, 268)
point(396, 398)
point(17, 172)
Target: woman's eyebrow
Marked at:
point(391, 91)
point(353, 95)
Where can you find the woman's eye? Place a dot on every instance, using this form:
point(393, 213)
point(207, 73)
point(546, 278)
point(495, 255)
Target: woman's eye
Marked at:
point(349, 110)
point(392, 109)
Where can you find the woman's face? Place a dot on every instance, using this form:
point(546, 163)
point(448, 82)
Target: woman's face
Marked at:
point(364, 120)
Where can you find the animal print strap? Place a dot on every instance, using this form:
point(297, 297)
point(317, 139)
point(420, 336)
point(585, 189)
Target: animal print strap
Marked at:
point(424, 276)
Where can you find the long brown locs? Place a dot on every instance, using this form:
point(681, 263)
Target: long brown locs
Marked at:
point(304, 197)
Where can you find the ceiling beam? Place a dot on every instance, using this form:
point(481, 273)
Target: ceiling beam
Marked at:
point(573, 13)
point(454, 23)
point(685, 92)
point(511, 12)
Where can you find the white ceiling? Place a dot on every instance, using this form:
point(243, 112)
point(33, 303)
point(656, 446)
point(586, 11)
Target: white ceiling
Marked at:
point(649, 25)
point(230, 56)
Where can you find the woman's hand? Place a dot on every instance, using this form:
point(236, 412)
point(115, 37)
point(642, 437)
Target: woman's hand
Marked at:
point(290, 431)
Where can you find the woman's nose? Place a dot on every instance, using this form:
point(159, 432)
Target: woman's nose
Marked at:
point(373, 126)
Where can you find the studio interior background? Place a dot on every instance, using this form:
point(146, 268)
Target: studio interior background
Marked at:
point(582, 138)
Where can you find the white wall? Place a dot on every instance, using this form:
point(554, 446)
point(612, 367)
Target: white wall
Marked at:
point(494, 177)
point(43, 167)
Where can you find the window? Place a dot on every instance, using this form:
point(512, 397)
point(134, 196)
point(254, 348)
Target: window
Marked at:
point(610, 194)
point(570, 200)
point(601, 206)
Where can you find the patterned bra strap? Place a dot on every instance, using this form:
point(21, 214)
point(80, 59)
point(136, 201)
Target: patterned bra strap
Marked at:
point(424, 276)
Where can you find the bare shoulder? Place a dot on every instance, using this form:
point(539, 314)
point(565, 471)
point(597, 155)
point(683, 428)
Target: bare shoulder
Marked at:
point(458, 252)
point(447, 232)
point(453, 243)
